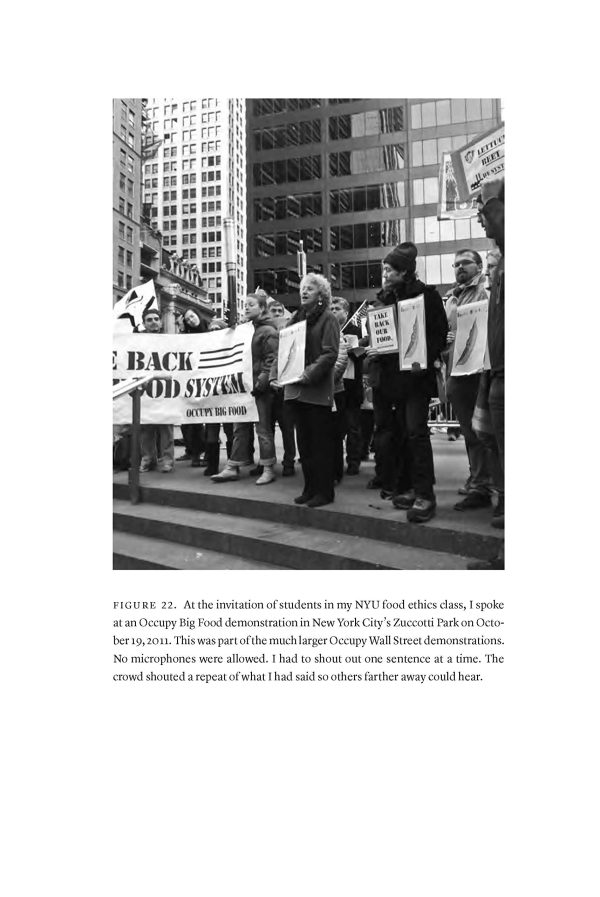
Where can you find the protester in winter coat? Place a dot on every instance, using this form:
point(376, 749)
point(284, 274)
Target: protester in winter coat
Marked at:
point(156, 440)
point(193, 434)
point(311, 398)
point(462, 391)
point(265, 342)
point(401, 398)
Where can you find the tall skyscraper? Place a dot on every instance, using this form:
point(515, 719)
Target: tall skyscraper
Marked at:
point(197, 178)
point(127, 179)
point(351, 178)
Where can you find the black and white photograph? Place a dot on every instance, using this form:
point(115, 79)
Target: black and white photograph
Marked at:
point(308, 319)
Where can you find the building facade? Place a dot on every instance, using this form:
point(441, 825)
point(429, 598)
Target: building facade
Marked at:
point(127, 200)
point(196, 178)
point(350, 178)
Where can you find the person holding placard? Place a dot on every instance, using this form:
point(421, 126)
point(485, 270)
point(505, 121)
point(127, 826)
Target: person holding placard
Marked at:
point(470, 287)
point(157, 445)
point(401, 397)
point(311, 397)
point(264, 351)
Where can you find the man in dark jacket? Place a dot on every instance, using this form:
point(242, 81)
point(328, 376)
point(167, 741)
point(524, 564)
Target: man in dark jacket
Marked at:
point(401, 398)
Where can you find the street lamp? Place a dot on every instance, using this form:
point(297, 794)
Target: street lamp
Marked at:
point(230, 268)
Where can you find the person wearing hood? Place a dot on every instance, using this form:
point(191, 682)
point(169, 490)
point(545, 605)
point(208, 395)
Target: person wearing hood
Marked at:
point(193, 434)
point(311, 397)
point(265, 342)
point(462, 391)
point(401, 398)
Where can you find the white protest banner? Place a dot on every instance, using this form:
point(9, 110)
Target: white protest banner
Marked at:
point(207, 376)
point(290, 359)
point(450, 207)
point(411, 324)
point(127, 312)
point(382, 329)
point(482, 159)
point(471, 339)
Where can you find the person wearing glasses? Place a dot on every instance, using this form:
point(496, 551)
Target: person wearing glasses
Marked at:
point(462, 391)
point(157, 445)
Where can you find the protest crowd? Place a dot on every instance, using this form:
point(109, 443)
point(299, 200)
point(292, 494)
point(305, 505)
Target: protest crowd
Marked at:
point(352, 396)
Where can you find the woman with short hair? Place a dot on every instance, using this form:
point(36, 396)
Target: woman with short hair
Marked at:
point(311, 397)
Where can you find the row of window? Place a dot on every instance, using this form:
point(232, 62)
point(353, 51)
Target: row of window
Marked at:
point(275, 208)
point(124, 281)
point(307, 168)
point(271, 106)
point(351, 199)
point(127, 137)
point(361, 199)
point(446, 112)
point(349, 236)
point(283, 171)
point(366, 124)
point(127, 114)
point(356, 275)
point(125, 209)
point(291, 134)
point(432, 269)
point(288, 242)
point(429, 152)
point(430, 230)
point(363, 161)
point(125, 257)
point(363, 236)
point(125, 184)
point(125, 233)
point(126, 161)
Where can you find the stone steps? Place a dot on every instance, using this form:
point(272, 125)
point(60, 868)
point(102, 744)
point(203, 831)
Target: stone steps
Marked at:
point(292, 537)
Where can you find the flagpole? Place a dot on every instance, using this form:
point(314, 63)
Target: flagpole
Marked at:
point(230, 267)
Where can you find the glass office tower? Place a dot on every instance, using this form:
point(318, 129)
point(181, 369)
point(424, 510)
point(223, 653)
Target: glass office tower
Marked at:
point(352, 178)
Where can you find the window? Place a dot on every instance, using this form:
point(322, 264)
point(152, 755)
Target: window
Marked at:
point(129, 259)
point(129, 237)
point(120, 279)
point(121, 230)
point(121, 255)
point(425, 190)
point(128, 282)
